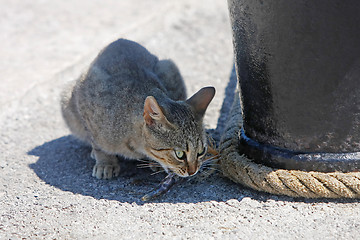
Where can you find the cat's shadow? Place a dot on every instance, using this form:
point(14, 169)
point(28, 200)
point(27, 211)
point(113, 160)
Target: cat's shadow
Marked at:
point(65, 163)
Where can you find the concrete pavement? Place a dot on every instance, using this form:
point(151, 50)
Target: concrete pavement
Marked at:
point(46, 188)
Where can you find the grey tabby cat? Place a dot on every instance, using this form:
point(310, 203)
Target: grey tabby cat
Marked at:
point(129, 103)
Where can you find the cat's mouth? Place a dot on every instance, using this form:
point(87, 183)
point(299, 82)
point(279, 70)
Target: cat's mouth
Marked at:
point(180, 172)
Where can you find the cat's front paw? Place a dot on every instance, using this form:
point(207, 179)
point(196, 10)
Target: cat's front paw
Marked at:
point(106, 171)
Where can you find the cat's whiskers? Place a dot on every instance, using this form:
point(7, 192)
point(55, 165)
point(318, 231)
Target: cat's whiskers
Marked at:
point(145, 163)
point(157, 172)
point(210, 166)
point(206, 168)
point(212, 163)
point(146, 160)
point(145, 166)
point(215, 157)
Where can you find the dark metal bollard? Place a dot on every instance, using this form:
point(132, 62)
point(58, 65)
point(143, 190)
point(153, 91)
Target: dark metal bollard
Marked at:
point(298, 66)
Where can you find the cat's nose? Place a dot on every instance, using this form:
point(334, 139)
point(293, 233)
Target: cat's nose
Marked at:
point(192, 169)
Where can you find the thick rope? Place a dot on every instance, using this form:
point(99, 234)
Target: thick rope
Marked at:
point(292, 183)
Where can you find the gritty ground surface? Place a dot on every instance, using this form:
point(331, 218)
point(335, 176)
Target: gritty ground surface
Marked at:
point(46, 188)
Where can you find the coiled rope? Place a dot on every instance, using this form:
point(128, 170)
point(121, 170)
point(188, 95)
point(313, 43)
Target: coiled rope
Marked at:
point(292, 183)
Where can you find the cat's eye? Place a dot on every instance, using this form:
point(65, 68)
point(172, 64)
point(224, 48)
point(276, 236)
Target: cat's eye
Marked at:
point(180, 154)
point(202, 152)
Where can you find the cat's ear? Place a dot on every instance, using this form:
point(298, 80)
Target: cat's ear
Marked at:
point(153, 113)
point(201, 100)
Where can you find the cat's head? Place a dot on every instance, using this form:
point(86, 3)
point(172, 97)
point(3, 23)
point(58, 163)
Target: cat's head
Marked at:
point(174, 132)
